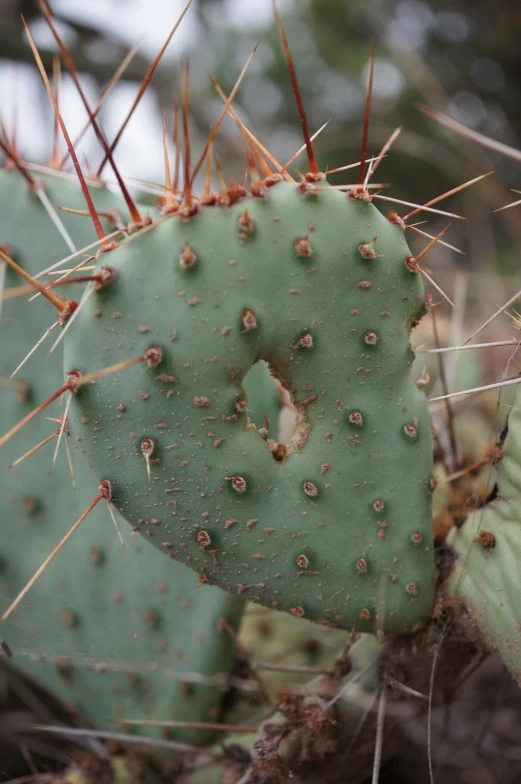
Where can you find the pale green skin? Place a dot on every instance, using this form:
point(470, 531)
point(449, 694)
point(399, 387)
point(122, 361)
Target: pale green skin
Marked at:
point(488, 579)
point(190, 490)
point(107, 593)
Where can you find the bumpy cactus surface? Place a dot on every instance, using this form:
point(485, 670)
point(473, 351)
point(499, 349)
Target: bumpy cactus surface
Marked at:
point(488, 550)
point(335, 526)
point(116, 634)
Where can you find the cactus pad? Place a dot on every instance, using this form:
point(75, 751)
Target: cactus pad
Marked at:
point(116, 634)
point(488, 549)
point(334, 527)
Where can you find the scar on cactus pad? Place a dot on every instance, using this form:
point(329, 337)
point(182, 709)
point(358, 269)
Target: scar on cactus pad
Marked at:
point(334, 526)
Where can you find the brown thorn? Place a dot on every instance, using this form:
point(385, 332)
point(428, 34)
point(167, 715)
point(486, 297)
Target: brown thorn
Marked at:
point(55, 161)
point(252, 169)
point(176, 146)
point(220, 176)
point(367, 114)
point(261, 163)
point(104, 95)
point(11, 154)
point(426, 234)
point(227, 103)
point(96, 374)
point(69, 62)
point(88, 199)
point(5, 133)
point(14, 136)
point(431, 244)
point(207, 194)
point(170, 203)
point(144, 84)
point(313, 168)
point(447, 194)
point(187, 194)
point(50, 558)
point(58, 302)
point(34, 413)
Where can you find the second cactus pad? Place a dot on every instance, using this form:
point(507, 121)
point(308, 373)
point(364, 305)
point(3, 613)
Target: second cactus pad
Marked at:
point(335, 525)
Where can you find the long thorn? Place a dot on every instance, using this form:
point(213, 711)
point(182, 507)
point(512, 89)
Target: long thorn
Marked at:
point(381, 155)
point(170, 202)
point(75, 255)
point(175, 135)
point(447, 194)
point(40, 192)
point(116, 526)
point(438, 288)
point(349, 166)
point(431, 244)
point(56, 72)
point(34, 348)
point(81, 178)
point(195, 725)
point(377, 761)
point(507, 382)
point(188, 201)
point(63, 426)
point(473, 346)
point(420, 208)
point(301, 149)
point(430, 236)
point(34, 413)
point(253, 143)
point(207, 190)
point(495, 315)
point(58, 302)
point(462, 130)
point(11, 154)
point(313, 168)
point(144, 84)
point(367, 113)
point(86, 296)
point(71, 467)
point(33, 451)
point(44, 8)
point(95, 375)
point(445, 389)
point(50, 558)
point(227, 103)
point(104, 95)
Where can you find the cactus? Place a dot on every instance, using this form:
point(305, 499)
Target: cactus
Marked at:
point(201, 327)
point(107, 627)
point(485, 574)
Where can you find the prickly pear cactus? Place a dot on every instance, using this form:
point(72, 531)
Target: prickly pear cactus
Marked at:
point(334, 526)
point(488, 552)
point(115, 634)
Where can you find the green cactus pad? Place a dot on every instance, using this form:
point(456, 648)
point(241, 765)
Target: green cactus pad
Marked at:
point(488, 549)
point(338, 531)
point(116, 634)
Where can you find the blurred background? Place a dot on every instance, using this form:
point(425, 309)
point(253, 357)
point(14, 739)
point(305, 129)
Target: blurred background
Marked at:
point(462, 58)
